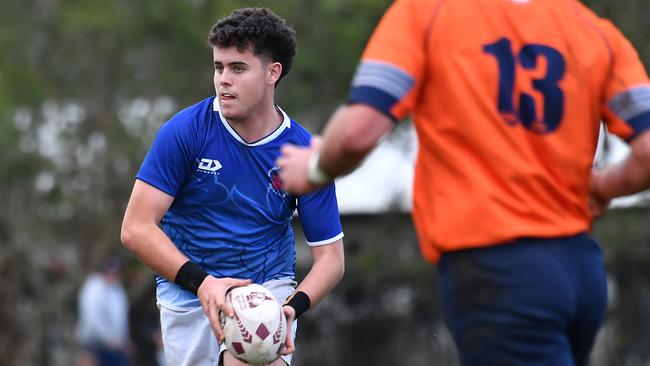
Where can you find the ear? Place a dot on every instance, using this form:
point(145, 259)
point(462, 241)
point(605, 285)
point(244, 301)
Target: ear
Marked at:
point(274, 72)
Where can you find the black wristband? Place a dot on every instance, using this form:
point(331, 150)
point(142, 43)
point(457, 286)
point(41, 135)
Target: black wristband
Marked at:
point(299, 301)
point(190, 276)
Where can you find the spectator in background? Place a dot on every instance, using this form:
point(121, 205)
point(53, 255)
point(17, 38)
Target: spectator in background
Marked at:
point(103, 330)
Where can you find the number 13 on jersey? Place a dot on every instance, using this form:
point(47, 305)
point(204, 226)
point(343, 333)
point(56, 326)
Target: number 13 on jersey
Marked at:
point(526, 111)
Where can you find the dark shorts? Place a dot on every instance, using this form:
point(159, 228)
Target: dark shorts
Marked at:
point(529, 302)
point(105, 356)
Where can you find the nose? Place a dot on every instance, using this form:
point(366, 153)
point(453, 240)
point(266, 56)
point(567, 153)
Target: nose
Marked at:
point(223, 78)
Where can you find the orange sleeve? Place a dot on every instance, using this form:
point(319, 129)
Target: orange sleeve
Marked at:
point(393, 63)
point(626, 107)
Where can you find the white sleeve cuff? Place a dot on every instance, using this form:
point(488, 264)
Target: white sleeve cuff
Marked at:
point(326, 241)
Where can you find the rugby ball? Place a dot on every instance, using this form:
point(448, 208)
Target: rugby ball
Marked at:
point(257, 331)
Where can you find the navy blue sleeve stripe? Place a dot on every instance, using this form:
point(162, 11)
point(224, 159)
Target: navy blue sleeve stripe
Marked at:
point(373, 97)
point(631, 103)
point(640, 123)
point(388, 78)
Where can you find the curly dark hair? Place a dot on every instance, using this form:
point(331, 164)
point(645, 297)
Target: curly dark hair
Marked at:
point(265, 33)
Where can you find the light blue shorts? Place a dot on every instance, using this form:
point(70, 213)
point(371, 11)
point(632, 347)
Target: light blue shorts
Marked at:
point(188, 338)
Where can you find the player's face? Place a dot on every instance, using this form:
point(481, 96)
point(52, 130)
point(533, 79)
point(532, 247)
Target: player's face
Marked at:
point(243, 82)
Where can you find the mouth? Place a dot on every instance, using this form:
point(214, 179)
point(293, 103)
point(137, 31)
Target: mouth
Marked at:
point(226, 96)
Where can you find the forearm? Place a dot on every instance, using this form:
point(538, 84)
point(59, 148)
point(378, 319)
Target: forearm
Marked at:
point(631, 175)
point(150, 244)
point(626, 178)
point(326, 272)
point(352, 133)
point(141, 232)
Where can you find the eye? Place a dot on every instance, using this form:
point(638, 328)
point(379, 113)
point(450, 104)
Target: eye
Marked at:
point(218, 68)
point(238, 69)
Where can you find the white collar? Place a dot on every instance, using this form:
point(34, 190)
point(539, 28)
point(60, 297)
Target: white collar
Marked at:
point(286, 123)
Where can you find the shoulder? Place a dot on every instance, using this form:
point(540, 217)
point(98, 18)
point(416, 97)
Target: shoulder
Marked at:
point(605, 27)
point(298, 135)
point(193, 114)
point(188, 122)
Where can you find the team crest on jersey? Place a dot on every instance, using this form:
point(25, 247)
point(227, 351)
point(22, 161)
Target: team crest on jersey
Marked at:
point(275, 183)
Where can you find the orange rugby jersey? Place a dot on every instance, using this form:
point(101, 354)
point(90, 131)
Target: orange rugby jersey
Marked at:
point(507, 98)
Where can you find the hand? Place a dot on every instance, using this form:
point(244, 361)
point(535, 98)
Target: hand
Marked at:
point(597, 202)
point(289, 346)
point(293, 162)
point(212, 295)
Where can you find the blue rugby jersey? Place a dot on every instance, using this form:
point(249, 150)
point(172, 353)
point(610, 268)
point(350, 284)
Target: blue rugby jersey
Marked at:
point(229, 213)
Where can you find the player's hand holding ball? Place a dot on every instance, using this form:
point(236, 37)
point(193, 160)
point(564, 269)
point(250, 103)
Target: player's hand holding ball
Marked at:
point(257, 331)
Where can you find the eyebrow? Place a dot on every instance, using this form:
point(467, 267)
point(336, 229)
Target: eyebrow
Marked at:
point(234, 63)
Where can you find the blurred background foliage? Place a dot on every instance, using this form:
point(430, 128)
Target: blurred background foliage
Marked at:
point(85, 84)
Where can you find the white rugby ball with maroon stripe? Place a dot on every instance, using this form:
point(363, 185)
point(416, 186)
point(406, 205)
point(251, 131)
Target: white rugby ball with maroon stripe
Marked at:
point(257, 332)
